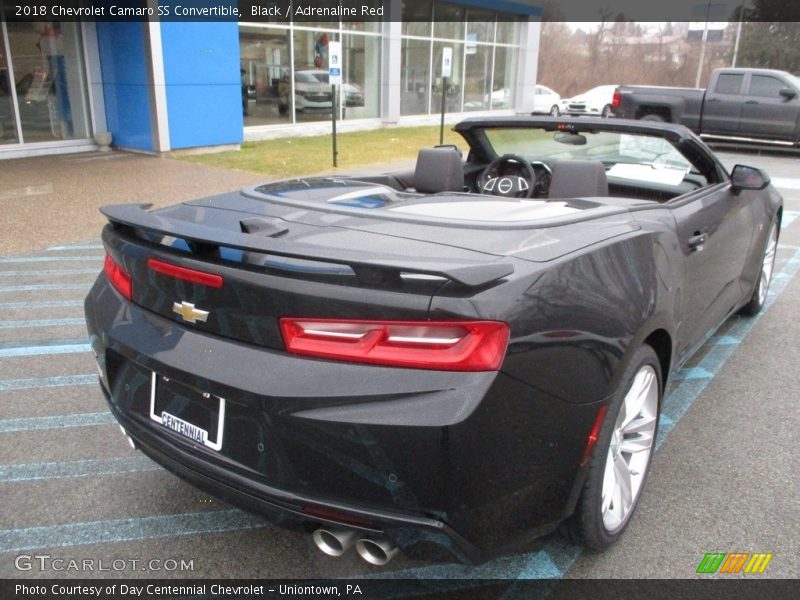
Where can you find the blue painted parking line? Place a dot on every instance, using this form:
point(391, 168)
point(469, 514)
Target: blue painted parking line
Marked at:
point(789, 217)
point(49, 272)
point(46, 287)
point(85, 246)
point(124, 530)
point(45, 350)
point(47, 259)
point(56, 422)
point(35, 323)
point(7, 385)
point(77, 468)
point(41, 304)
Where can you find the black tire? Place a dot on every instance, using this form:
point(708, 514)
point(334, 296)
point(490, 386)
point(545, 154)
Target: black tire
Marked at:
point(554, 111)
point(606, 111)
point(653, 117)
point(759, 296)
point(586, 526)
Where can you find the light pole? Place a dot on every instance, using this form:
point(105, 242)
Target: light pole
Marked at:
point(738, 34)
point(702, 48)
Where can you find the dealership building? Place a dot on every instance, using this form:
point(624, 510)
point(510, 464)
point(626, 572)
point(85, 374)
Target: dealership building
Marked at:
point(159, 86)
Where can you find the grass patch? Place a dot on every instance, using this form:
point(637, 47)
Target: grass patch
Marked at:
point(289, 157)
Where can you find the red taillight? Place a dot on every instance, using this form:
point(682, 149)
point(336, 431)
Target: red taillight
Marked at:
point(118, 277)
point(615, 100)
point(446, 346)
point(594, 434)
point(185, 274)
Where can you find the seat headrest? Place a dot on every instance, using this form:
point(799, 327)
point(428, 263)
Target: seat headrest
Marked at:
point(578, 179)
point(439, 170)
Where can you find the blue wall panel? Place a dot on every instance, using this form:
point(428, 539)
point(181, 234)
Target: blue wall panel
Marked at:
point(203, 83)
point(125, 83)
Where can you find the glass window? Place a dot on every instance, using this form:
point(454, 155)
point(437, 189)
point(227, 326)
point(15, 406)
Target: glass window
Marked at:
point(417, 17)
point(415, 77)
point(507, 28)
point(370, 24)
point(266, 86)
point(361, 76)
point(505, 78)
point(449, 21)
point(764, 85)
point(8, 120)
point(47, 60)
point(477, 77)
point(480, 25)
point(312, 92)
point(729, 83)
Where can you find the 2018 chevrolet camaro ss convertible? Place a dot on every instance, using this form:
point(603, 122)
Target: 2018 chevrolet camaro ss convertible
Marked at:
point(448, 361)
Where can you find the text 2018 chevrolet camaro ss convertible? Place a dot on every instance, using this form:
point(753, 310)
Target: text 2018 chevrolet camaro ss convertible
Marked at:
point(448, 361)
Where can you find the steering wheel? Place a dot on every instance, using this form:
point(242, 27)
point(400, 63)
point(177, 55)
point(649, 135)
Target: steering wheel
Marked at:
point(508, 186)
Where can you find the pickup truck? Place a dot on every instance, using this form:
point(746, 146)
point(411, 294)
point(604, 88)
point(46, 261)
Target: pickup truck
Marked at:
point(757, 105)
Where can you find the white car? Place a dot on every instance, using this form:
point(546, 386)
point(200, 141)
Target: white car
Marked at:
point(596, 102)
point(546, 101)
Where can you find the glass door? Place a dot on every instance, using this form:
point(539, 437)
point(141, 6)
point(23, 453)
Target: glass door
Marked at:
point(45, 83)
point(9, 124)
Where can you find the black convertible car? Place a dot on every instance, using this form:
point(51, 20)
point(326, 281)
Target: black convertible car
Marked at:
point(449, 361)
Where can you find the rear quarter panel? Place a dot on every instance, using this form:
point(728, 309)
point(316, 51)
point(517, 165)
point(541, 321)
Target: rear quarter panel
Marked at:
point(576, 320)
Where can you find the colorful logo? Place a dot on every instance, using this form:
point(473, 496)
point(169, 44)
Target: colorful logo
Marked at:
point(734, 562)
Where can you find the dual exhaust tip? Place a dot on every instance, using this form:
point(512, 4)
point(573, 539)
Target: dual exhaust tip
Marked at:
point(335, 542)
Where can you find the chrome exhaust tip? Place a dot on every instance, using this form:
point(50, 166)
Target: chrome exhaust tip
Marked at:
point(376, 552)
point(333, 542)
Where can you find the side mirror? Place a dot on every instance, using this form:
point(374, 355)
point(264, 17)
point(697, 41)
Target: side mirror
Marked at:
point(748, 178)
point(788, 93)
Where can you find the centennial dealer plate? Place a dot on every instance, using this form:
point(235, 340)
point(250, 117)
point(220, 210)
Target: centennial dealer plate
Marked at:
point(195, 415)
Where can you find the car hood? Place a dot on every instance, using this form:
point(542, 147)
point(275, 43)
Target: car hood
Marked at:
point(355, 215)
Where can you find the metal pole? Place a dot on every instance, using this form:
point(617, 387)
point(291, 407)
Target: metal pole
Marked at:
point(441, 124)
point(702, 48)
point(738, 34)
point(333, 117)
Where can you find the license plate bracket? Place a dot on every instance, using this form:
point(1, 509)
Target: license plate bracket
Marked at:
point(198, 416)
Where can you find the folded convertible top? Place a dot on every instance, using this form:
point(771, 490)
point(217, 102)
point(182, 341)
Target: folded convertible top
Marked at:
point(468, 273)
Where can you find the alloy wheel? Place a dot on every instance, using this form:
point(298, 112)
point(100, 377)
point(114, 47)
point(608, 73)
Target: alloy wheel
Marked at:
point(629, 449)
point(767, 264)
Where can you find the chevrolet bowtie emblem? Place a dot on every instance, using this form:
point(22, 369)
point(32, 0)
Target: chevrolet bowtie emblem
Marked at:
point(189, 313)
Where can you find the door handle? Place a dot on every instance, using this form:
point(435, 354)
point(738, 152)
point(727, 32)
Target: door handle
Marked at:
point(696, 241)
point(710, 100)
point(751, 101)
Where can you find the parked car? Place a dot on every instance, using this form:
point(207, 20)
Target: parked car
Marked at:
point(447, 361)
point(546, 101)
point(595, 102)
point(759, 104)
point(312, 92)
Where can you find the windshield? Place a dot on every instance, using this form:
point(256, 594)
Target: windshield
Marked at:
point(626, 156)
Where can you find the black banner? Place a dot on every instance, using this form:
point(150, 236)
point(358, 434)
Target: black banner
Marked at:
point(354, 11)
point(386, 589)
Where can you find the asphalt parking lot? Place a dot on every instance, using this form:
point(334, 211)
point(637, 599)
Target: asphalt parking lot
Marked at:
point(724, 478)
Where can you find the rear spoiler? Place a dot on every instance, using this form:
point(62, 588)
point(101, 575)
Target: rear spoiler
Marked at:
point(470, 274)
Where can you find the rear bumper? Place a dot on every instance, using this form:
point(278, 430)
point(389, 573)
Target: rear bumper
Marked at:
point(448, 465)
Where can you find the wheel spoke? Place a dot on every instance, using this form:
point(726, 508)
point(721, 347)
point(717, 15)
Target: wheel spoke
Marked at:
point(644, 424)
point(609, 484)
point(636, 396)
point(623, 477)
point(642, 443)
